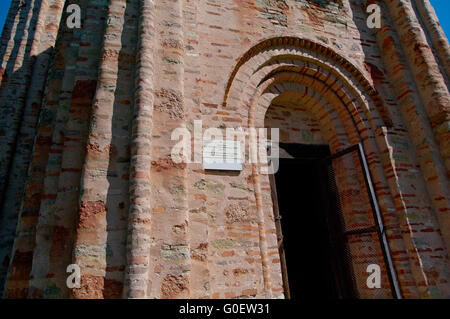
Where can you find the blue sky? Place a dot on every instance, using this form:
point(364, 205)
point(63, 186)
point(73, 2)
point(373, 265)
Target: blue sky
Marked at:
point(4, 7)
point(442, 8)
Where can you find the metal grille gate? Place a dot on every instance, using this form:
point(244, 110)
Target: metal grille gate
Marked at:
point(356, 229)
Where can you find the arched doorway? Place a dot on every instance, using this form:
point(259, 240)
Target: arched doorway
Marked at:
point(324, 101)
point(301, 149)
point(329, 196)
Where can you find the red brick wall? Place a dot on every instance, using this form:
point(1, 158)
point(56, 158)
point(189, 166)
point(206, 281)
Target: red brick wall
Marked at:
point(96, 183)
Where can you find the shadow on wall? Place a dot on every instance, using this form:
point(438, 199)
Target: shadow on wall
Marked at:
point(117, 196)
point(392, 95)
point(117, 200)
point(13, 84)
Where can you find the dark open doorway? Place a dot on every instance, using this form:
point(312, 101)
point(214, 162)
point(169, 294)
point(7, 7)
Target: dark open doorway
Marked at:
point(312, 250)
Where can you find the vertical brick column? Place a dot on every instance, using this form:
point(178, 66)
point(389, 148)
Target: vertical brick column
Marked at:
point(262, 227)
point(420, 229)
point(16, 72)
point(7, 37)
point(139, 218)
point(200, 274)
point(60, 248)
point(437, 35)
point(431, 84)
point(435, 96)
point(95, 212)
point(28, 105)
point(42, 52)
point(13, 48)
point(62, 182)
point(47, 146)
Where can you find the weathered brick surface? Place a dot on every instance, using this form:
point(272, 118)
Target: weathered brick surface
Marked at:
point(86, 175)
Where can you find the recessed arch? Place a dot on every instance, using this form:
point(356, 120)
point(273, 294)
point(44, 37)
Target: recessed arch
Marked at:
point(291, 51)
point(354, 120)
point(337, 93)
point(332, 128)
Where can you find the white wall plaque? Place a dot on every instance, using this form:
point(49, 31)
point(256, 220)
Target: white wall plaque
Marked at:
point(225, 155)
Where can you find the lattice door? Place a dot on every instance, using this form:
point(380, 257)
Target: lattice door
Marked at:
point(356, 227)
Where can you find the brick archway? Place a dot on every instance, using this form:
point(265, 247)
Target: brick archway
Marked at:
point(350, 111)
point(279, 54)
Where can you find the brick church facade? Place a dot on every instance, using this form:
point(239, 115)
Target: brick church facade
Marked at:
point(87, 176)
